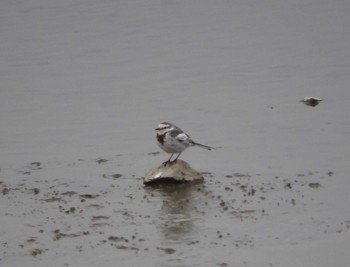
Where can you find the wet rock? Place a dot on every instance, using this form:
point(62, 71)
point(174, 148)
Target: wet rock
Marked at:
point(90, 196)
point(116, 176)
point(36, 252)
point(35, 166)
point(311, 101)
point(167, 250)
point(177, 172)
point(314, 185)
point(100, 161)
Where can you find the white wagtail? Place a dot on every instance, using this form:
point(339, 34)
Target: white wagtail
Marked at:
point(311, 101)
point(173, 140)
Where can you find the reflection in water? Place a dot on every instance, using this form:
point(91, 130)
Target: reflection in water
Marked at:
point(178, 210)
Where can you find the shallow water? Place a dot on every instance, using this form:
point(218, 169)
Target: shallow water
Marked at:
point(83, 85)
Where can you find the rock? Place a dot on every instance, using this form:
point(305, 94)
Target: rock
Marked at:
point(311, 101)
point(177, 172)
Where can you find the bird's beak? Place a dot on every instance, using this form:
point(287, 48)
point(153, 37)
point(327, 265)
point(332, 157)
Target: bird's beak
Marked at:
point(156, 129)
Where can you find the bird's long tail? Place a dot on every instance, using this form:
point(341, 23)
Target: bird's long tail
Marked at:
point(200, 145)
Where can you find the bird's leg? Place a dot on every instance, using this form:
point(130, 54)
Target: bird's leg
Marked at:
point(168, 161)
point(176, 158)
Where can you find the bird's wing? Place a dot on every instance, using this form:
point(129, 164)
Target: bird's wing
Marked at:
point(179, 135)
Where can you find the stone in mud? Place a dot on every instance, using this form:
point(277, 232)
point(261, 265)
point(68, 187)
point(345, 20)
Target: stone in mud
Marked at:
point(175, 172)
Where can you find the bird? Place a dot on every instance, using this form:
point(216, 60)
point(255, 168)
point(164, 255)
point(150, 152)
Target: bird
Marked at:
point(173, 140)
point(311, 101)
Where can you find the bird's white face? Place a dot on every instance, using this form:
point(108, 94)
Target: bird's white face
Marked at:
point(164, 127)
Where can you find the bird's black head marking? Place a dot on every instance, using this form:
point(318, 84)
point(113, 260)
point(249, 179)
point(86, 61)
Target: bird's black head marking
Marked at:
point(160, 138)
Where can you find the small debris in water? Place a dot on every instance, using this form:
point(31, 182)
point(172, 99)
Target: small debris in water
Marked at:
point(311, 101)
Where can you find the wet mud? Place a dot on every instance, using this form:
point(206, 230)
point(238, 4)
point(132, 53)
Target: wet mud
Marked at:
point(67, 216)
